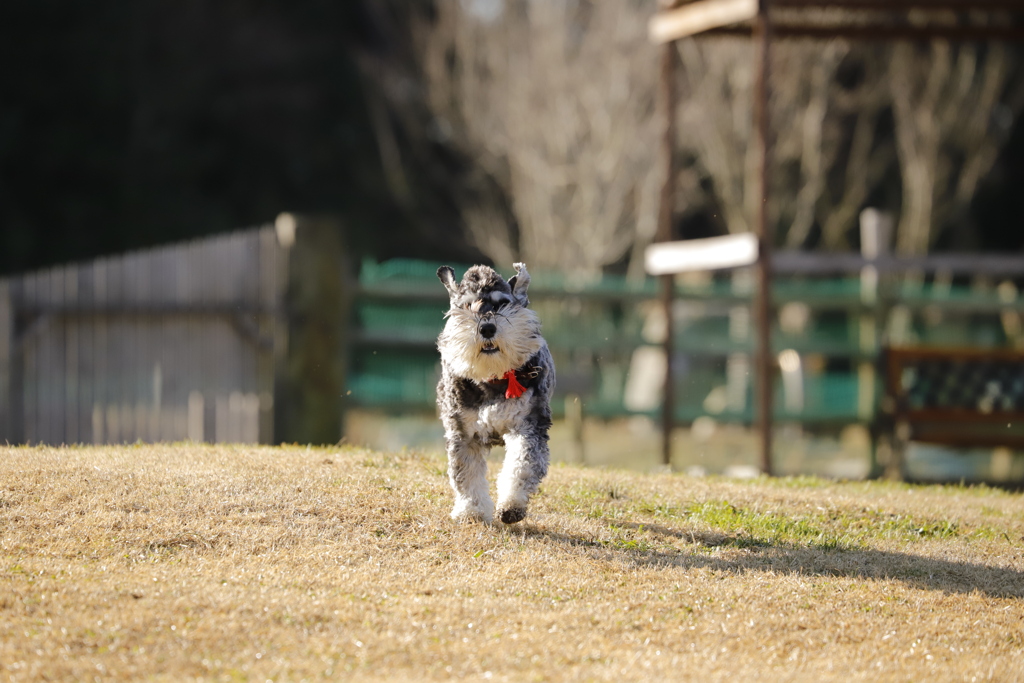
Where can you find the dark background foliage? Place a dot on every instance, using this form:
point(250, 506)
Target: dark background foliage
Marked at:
point(125, 124)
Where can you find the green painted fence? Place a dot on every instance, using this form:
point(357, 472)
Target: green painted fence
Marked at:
point(595, 329)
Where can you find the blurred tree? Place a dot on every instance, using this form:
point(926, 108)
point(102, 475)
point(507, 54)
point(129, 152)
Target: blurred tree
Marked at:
point(844, 115)
point(555, 102)
point(829, 152)
point(953, 106)
point(552, 103)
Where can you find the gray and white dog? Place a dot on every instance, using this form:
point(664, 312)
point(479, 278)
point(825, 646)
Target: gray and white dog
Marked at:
point(496, 382)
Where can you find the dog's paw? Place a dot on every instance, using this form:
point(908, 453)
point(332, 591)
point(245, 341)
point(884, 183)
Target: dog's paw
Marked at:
point(513, 515)
point(467, 515)
point(468, 509)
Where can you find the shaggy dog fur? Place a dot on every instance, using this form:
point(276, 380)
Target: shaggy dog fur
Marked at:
point(491, 350)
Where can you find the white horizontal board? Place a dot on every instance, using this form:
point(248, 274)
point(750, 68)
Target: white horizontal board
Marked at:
point(697, 17)
point(712, 253)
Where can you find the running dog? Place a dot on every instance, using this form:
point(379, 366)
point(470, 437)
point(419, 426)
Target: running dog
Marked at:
point(497, 377)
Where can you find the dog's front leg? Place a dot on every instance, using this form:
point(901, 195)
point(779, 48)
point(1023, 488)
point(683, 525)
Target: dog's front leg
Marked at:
point(526, 463)
point(467, 472)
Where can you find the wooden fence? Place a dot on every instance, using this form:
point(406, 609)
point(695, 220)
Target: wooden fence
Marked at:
point(256, 337)
point(188, 341)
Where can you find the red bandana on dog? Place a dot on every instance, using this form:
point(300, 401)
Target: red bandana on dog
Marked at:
point(515, 389)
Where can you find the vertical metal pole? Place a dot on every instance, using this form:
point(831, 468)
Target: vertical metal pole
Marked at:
point(764, 267)
point(667, 202)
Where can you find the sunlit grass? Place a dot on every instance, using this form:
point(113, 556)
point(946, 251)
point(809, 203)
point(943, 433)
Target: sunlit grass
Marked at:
point(824, 528)
point(240, 563)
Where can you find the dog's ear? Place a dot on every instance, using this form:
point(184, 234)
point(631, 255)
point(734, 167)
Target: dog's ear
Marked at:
point(447, 277)
point(519, 282)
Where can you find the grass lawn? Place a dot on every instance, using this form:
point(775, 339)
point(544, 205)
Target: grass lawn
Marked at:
point(184, 561)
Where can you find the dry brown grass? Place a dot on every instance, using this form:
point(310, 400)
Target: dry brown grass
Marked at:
point(240, 563)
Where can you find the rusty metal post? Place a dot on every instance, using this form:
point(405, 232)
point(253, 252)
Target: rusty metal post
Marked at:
point(666, 88)
point(763, 303)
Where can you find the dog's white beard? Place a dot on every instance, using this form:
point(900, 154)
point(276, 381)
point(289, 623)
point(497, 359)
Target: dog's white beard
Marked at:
point(517, 338)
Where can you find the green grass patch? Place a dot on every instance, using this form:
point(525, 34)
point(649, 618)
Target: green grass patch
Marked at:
point(757, 529)
point(828, 529)
point(833, 528)
point(595, 501)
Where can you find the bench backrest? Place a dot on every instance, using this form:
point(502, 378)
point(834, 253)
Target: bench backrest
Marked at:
point(957, 396)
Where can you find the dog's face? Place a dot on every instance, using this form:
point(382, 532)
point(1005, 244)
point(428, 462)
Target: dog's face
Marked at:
point(490, 330)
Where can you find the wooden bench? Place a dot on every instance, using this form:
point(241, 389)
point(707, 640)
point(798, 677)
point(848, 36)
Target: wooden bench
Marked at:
point(951, 396)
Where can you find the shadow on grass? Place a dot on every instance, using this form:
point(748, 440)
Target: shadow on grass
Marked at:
point(806, 560)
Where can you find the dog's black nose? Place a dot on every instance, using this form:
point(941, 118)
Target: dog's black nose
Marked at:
point(487, 330)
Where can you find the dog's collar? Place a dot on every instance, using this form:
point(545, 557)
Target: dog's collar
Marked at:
point(515, 379)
